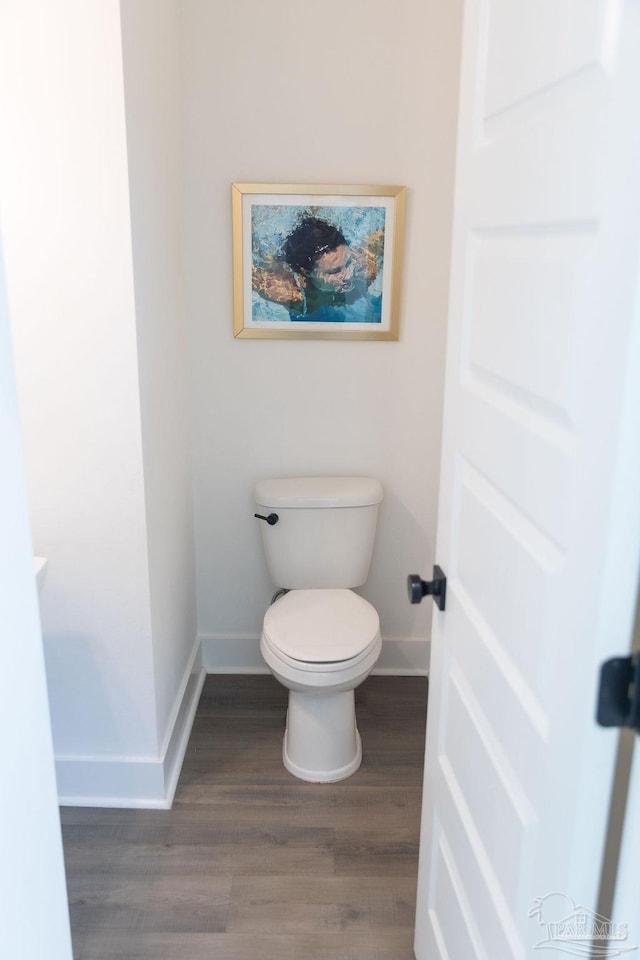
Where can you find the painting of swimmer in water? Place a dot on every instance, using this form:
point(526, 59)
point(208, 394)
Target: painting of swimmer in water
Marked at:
point(309, 263)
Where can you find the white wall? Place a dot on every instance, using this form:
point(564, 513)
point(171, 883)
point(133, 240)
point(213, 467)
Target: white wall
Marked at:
point(65, 205)
point(358, 92)
point(152, 97)
point(32, 880)
point(100, 432)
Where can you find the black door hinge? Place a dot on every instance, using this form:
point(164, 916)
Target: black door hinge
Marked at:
point(619, 693)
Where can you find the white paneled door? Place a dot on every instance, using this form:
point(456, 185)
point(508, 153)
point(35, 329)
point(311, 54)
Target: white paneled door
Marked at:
point(539, 518)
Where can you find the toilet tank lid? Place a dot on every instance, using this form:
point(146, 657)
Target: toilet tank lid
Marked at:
point(306, 492)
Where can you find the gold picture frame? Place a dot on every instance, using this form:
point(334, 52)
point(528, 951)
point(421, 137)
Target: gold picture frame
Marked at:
point(317, 261)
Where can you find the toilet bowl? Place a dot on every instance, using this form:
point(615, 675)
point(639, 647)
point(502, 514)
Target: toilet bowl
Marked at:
point(319, 638)
point(321, 644)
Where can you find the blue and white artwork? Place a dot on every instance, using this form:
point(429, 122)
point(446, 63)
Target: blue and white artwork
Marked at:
point(317, 263)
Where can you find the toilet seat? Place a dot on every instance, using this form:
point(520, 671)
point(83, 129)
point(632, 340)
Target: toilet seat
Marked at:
point(320, 630)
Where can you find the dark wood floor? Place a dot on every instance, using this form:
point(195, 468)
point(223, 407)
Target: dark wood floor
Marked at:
point(251, 863)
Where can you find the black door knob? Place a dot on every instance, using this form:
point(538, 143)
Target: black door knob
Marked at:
point(414, 588)
point(418, 588)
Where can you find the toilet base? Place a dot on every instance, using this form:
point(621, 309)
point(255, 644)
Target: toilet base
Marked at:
point(321, 743)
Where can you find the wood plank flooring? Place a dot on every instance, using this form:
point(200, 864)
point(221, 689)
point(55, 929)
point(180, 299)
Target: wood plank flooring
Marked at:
point(251, 863)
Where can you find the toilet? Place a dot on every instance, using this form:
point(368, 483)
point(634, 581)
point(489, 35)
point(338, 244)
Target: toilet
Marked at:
point(319, 638)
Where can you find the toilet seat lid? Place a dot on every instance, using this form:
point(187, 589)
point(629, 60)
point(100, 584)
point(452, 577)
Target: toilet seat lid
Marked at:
point(321, 626)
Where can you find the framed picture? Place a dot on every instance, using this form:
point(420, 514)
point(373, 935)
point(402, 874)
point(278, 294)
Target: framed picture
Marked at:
point(317, 261)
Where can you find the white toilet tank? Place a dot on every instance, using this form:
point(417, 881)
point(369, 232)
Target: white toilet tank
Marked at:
point(324, 535)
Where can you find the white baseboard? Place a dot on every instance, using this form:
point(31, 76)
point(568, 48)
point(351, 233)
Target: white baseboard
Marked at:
point(147, 782)
point(111, 782)
point(241, 654)
point(403, 658)
point(180, 729)
point(232, 654)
